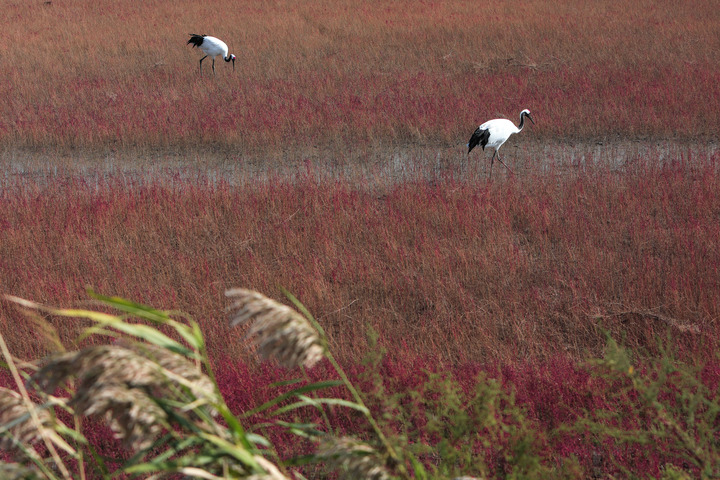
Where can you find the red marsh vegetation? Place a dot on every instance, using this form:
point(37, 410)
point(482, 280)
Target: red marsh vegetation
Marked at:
point(519, 279)
point(466, 270)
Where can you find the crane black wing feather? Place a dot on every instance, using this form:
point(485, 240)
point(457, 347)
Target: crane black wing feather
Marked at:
point(196, 40)
point(479, 137)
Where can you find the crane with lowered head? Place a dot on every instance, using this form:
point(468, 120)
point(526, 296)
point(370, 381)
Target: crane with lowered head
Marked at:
point(212, 47)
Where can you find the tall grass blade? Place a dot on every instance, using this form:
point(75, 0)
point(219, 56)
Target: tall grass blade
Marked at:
point(297, 391)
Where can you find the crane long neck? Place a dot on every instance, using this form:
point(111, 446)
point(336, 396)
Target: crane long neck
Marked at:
point(522, 122)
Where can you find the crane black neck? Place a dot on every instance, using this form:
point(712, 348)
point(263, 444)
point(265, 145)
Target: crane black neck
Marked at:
point(522, 121)
point(228, 58)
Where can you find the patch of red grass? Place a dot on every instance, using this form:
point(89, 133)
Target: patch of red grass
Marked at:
point(553, 394)
point(468, 270)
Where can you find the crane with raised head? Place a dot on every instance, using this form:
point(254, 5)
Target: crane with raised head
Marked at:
point(494, 133)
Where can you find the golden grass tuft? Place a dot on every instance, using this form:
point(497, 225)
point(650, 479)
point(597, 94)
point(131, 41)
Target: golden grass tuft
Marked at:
point(280, 332)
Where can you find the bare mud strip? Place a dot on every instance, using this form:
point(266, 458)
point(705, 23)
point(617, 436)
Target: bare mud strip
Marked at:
point(365, 165)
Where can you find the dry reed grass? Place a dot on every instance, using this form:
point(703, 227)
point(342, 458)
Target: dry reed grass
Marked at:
point(143, 384)
point(121, 384)
point(280, 332)
point(18, 428)
point(352, 458)
point(439, 416)
point(15, 471)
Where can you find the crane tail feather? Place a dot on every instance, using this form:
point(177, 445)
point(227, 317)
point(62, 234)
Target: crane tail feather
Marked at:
point(479, 137)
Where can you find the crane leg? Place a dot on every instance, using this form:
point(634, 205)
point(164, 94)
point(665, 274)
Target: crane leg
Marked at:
point(213, 65)
point(491, 163)
point(201, 63)
point(505, 165)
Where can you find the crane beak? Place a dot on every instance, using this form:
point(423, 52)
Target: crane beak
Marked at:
point(530, 117)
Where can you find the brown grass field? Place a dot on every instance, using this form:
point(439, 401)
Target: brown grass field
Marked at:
point(346, 73)
point(333, 163)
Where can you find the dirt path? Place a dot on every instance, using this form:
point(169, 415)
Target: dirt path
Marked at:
point(371, 165)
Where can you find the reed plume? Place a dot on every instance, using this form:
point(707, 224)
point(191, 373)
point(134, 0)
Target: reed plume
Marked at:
point(122, 383)
point(15, 471)
point(280, 332)
point(352, 458)
point(16, 425)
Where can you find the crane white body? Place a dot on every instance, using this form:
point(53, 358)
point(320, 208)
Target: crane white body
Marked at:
point(494, 133)
point(212, 47)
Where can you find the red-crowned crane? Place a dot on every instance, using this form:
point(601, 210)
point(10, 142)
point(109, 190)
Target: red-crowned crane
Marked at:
point(494, 133)
point(212, 47)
